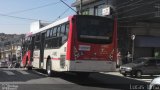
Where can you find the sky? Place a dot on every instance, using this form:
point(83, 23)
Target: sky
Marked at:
point(17, 15)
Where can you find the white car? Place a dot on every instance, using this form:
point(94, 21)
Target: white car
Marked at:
point(155, 84)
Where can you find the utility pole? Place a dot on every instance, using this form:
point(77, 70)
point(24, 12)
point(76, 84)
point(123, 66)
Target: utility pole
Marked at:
point(133, 38)
point(80, 7)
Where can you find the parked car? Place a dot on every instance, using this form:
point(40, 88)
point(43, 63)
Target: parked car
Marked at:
point(155, 84)
point(14, 64)
point(141, 66)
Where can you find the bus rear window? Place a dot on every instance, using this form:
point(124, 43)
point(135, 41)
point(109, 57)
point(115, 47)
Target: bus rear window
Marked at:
point(94, 29)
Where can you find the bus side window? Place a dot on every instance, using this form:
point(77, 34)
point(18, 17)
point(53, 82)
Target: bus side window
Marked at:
point(58, 31)
point(62, 30)
point(65, 33)
point(37, 41)
point(48, 33)
point(58, 36)
point(67, 29)
point(54, 31)
point(51, 30)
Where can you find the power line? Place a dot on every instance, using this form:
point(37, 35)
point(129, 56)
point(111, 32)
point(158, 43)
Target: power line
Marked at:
point(30, 19)
point(61, 14)
point(15, 12)
point(68, 6)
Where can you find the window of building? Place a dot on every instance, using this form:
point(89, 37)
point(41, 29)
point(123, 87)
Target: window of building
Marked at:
point(85, 12)
point(98, 9)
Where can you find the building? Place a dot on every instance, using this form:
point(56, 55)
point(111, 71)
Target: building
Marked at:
point(136, 18)
point(94, 7)
point(11, 48)
point(139, 18)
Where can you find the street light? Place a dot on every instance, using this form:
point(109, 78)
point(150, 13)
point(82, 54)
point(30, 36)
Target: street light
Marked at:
point(133, 38)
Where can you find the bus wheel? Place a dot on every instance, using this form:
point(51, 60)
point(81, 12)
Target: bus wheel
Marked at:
point(48, 68)
point(29, 68)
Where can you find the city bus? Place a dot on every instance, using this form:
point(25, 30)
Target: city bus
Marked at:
point(79, 43)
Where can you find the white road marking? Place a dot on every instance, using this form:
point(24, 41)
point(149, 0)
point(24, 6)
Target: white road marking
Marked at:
point(9, 72)
point(23, 72)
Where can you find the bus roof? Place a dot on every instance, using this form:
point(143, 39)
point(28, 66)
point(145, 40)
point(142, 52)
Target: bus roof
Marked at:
point(51, 25)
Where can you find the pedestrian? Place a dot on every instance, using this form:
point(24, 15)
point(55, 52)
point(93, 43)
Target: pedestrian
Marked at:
point(119, 58)
point(128, 59)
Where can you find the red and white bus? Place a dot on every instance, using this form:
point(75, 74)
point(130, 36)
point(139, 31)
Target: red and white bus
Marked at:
point(81, 44)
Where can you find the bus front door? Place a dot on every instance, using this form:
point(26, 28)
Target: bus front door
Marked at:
point(42, 50)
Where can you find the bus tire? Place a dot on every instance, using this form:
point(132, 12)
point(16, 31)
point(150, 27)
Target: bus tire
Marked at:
point(29, 68)
point(26, 63)
point(48, 68)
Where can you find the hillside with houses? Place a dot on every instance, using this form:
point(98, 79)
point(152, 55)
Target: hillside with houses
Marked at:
point(6, 37)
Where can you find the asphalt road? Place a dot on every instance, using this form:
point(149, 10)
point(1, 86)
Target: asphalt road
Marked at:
point(21, 79)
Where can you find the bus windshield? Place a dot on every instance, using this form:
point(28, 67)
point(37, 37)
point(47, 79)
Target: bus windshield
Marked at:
point(97, 30)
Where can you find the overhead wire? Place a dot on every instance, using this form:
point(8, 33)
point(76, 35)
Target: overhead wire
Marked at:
point(61, 14)
point(30, 19)
point(46, 5)
point(68, 6)
point(64, 11)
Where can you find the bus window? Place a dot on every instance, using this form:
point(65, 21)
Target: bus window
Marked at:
point(37, 37)
point(54, 31)
point(62, 30)
point(58, 31)
point(67, 28)
point(37, 41)
point(48, 33)
point(65, 33)
point(51, 30)
point(95, 30)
